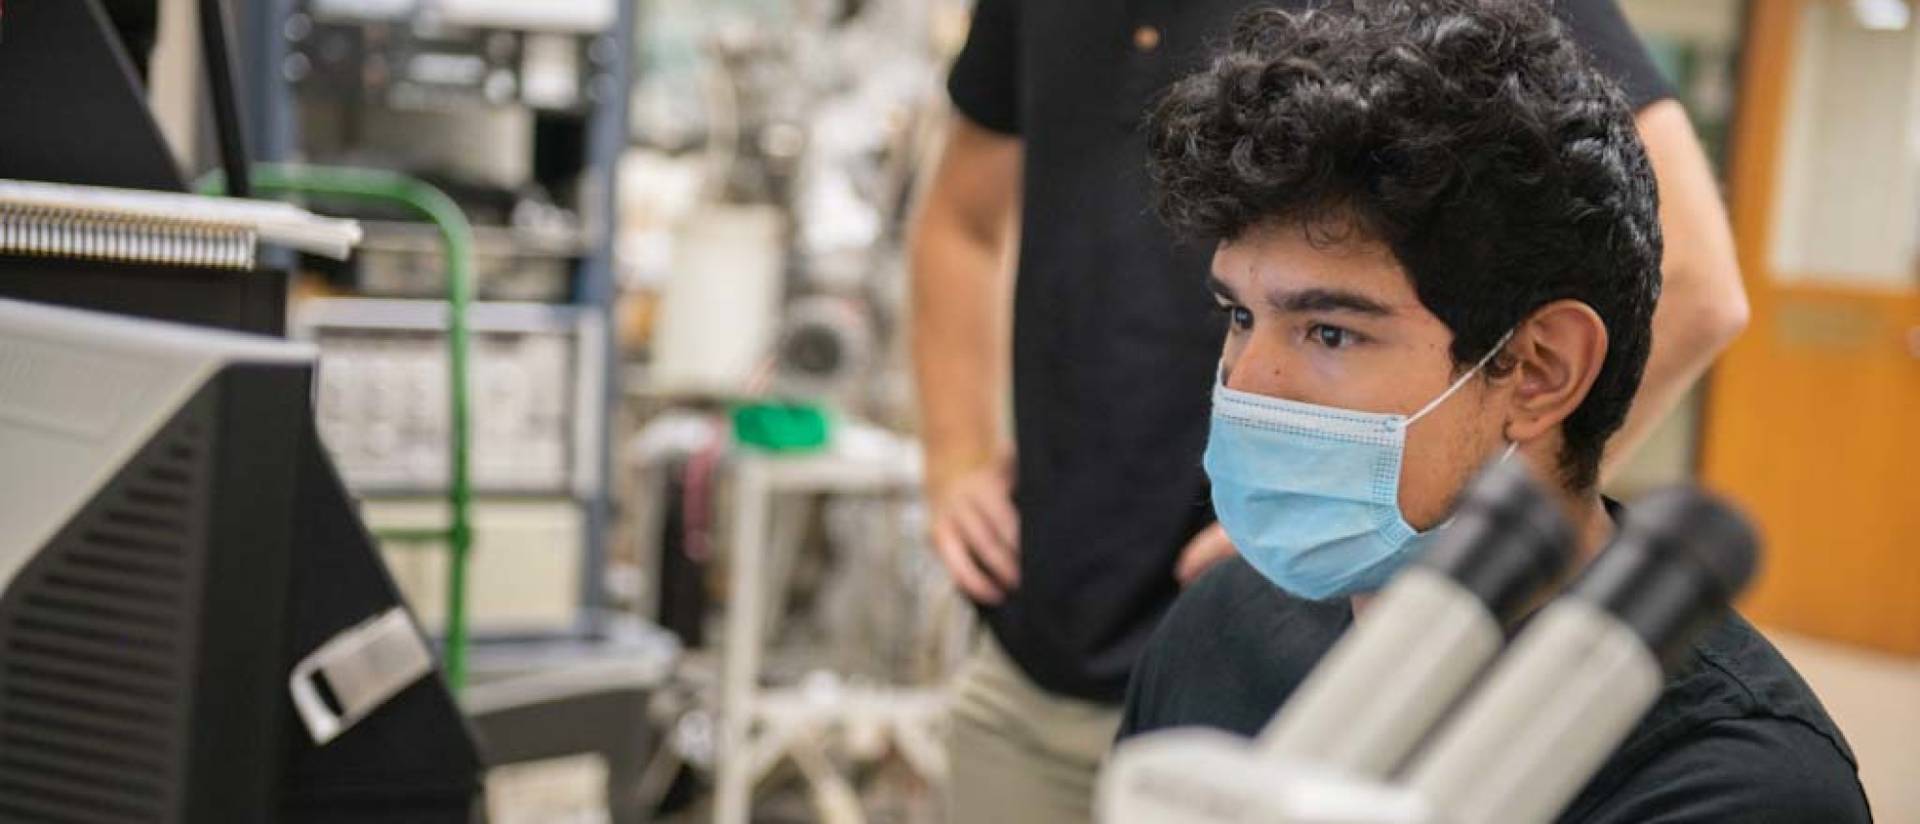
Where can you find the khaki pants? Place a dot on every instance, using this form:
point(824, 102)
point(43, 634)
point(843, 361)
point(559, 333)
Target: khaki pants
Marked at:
point(1018, 753)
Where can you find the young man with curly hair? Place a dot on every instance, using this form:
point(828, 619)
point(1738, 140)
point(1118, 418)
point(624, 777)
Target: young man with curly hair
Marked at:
point(1434, 215)
point(1075, 534)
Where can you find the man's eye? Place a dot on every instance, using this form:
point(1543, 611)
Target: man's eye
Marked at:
point(1332, 337)
point(1240, 317)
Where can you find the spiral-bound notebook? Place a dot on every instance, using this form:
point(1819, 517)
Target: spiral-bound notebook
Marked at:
point(164, 228)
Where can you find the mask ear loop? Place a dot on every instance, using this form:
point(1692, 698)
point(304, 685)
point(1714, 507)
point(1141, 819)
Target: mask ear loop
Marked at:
point(1484, 360)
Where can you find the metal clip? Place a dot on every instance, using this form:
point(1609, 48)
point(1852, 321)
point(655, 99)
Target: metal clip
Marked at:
point(363, 666)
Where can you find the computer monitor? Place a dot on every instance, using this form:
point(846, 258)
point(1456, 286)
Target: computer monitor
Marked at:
point(172, 540)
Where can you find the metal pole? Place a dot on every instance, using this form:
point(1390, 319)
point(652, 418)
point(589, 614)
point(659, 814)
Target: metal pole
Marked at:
point(607, 138)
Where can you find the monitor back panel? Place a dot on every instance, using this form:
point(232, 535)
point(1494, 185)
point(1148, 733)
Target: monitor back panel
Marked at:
point(121, 680)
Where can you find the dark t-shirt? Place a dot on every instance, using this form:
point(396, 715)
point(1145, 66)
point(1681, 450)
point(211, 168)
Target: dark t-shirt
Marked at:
point(1115, 335)
point(1735, 736)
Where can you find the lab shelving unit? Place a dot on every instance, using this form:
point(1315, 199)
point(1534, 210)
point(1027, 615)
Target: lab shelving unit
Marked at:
point(271, 33)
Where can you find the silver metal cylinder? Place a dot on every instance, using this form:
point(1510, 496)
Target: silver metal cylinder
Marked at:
point(1563, 697)
point(1384, 685)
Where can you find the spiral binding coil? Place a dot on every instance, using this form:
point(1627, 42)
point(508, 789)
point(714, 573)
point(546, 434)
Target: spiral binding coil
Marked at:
point(98, 235)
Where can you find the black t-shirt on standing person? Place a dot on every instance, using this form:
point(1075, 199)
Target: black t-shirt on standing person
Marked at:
point(1115, 335)
point(1735, 736)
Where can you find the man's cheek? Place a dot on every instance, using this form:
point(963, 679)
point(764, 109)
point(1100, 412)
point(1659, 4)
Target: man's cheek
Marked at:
point(1430, 475)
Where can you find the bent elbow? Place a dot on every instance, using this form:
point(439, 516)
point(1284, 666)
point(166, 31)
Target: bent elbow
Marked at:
point(1710, 307)
point(1728, 314)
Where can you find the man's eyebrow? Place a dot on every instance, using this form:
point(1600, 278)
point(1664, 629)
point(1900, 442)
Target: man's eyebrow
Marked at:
point(1327, 300)
point(1221, 289)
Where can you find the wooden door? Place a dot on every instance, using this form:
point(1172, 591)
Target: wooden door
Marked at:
point(1813, 416)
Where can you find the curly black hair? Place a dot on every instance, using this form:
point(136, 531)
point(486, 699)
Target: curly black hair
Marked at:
point(1472, 138)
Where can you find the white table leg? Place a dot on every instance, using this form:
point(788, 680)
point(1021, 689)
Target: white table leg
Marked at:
point(740, 668)
point(786, 524)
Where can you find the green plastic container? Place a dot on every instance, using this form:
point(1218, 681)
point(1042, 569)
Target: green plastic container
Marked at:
point(779, 427)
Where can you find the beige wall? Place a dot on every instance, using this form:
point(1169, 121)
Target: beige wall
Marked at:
point(176, 80)
point(1848, 173)
point(1715, 21)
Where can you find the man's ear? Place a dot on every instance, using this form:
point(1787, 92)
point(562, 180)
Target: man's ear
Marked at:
point(1557, 353)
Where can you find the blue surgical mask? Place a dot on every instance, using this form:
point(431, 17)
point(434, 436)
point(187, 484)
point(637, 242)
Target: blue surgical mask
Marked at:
point(1310, 494)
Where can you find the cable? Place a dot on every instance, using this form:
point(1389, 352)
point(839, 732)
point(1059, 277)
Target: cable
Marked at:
point(457, 234)
point(217, 51)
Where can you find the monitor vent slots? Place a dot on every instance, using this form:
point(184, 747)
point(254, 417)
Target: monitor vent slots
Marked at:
point(92, 662)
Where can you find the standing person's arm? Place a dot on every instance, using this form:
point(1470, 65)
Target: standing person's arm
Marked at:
point(1703, 305)
point(960, 256)
point(960, 250)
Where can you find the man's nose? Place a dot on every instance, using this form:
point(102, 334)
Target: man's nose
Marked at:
point(1257, 368)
